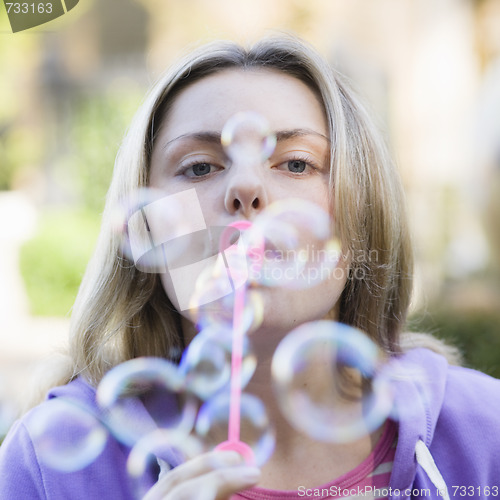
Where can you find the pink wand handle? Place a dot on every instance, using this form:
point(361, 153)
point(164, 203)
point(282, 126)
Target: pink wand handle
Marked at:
point(233, 439)
point(236, 360)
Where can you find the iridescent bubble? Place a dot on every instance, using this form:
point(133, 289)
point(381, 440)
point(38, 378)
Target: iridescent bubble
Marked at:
point(142, 395)
point(255, 429)
point(216, 285)
point(206, 363)
point(155, 454)
point(66, 436)
point(155, 228)
point(247, 138)
point(299, 249)
point(326, 380)
point(213, 299)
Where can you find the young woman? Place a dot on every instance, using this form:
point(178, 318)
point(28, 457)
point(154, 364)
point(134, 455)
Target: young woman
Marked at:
point(329, 153)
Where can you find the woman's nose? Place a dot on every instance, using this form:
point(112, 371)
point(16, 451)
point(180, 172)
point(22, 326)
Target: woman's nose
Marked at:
point(246, 194)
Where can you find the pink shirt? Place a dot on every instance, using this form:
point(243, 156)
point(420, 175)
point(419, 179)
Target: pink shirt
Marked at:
point(369, 480)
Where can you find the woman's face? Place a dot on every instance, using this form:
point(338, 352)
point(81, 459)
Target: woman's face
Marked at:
point(188, 154)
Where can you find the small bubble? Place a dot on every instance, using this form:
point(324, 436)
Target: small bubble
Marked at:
point(206, 363)
point(256, 430)
point(247, 138)
point(142, 395)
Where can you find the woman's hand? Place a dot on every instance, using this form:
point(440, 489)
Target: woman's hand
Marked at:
point(212, 476)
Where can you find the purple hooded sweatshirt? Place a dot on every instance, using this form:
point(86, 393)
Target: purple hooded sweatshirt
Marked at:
point(448, 442)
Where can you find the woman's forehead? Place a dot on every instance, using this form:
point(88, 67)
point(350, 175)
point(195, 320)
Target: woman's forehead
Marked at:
point(283, 100)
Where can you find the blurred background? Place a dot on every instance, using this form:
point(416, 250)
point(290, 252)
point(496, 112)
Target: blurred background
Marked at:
point(428, 69)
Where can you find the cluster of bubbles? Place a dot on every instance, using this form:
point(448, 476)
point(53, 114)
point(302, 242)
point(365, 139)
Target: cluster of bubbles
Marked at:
point(168, 412)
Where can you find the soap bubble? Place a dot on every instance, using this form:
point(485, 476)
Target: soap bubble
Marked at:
point(66, 436)
point(247, 138)
point(214, 294)
point(155, 454)
point(206, 364)
point(141, 395)
point(213, 299)
point(298, 249)
point(155, 228)
point(326, 380)
point(214, 266)
point(223, 282)
point(256, 430)
point(217, 274)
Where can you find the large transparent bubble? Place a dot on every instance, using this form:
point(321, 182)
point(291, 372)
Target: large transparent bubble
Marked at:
point(67, 436)
point(326, 380)
point(142, 395)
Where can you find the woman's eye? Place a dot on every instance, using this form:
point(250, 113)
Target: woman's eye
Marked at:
point(296, 166)
point(199, 169)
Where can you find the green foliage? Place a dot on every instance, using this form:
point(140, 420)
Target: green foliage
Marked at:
point(98, 125)
point(19, 148)
point(53, 262)
point(475, 333)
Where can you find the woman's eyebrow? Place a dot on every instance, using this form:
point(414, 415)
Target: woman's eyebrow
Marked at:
point(211, 137)
point(203, 136)
point(283, 135)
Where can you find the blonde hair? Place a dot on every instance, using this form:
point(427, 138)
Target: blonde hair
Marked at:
point(121, 313)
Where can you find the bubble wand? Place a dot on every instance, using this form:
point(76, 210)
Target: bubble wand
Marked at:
point(233, 439)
